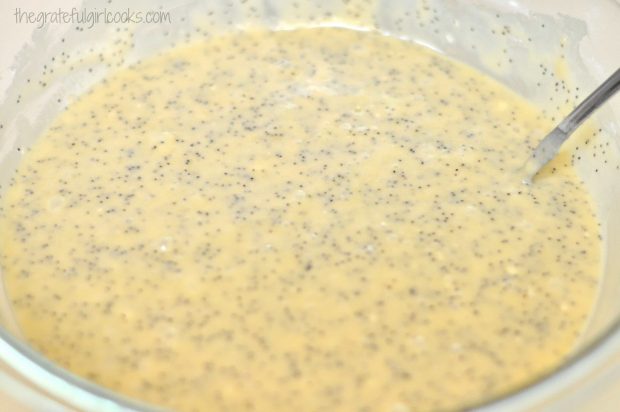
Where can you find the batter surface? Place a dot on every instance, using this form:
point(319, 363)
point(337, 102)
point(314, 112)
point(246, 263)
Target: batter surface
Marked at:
point(308, 220)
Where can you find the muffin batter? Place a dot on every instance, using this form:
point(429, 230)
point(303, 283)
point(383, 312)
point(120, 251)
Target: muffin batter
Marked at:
point(308, 220)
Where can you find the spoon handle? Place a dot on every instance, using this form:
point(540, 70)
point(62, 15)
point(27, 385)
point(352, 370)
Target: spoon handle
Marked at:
point(549, 146)
point(591, 103)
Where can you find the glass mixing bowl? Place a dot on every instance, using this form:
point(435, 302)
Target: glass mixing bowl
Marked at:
point(526, 44)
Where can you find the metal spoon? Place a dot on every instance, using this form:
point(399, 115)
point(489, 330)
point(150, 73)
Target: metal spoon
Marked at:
point(550, 145)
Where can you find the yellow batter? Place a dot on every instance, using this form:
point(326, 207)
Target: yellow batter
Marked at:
point(310, 220)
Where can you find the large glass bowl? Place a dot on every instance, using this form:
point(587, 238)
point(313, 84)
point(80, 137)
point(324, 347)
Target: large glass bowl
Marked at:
point(577, 41)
